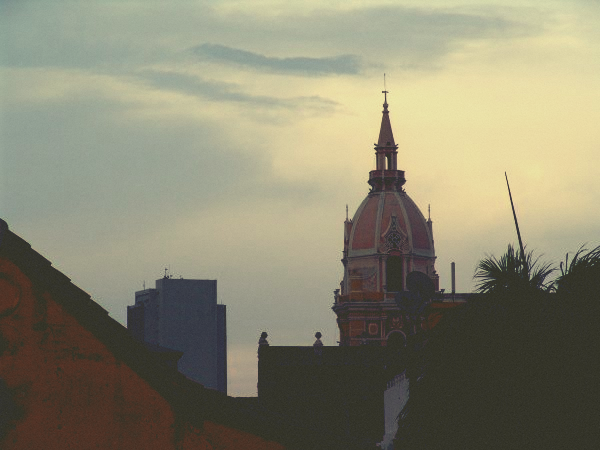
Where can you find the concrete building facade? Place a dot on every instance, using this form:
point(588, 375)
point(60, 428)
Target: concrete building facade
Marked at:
point(394, 400)
point(183, 315)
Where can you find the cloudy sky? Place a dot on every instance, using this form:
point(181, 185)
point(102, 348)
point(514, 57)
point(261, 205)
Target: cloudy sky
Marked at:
point(223, 139)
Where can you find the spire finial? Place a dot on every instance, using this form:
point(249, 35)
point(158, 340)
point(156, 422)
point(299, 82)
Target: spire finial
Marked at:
point(385, 93)
point(346, 211)
point(429, 212)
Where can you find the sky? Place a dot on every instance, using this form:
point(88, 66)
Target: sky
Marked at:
point(224, 139)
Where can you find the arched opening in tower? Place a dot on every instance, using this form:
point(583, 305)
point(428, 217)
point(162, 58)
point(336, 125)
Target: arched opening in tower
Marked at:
point(393, 274)
point(396, 340)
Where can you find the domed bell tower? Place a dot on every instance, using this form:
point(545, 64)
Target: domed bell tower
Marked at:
point(387, 238)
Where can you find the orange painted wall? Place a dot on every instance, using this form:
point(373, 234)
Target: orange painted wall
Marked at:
point(72, 393)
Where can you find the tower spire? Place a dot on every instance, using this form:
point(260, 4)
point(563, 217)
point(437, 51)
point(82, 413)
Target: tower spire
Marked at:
point(386, 175)
point(386, 137)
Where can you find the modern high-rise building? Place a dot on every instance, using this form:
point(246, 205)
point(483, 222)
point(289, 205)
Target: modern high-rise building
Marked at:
point(183, 315)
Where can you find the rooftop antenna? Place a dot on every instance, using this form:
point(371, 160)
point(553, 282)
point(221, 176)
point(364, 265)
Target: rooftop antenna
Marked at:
point(523, 260)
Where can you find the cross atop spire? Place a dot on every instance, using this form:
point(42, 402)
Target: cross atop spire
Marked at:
point(385, 92)
point(386, 137)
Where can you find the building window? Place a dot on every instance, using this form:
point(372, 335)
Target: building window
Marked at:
point(393, 274)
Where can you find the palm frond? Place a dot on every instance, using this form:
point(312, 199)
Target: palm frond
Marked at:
point(511, 272)
point(582, 272)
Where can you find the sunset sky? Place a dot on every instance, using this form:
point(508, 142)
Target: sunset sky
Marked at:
point(223, 139)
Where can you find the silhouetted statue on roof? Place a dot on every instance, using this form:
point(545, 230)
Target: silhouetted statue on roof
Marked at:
point(263, 340)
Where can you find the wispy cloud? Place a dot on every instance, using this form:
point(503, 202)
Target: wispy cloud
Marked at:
point(336, 65)
point(220, 91)
point(355, 39)
point(408, 38)
point(89, 161)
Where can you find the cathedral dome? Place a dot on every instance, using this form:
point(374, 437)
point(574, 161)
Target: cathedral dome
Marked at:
point(388, 237)
point(390, 222)
point(387, 244)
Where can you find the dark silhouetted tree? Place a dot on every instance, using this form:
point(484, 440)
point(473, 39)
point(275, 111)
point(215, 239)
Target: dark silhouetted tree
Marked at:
point(515, 368)
point(581, 275)
point(510, 274)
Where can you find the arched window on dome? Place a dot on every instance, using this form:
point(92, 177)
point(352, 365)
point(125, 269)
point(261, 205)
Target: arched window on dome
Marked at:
point(393, 274)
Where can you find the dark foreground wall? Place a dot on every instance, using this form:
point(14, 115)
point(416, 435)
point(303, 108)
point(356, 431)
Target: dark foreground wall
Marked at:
point(335, 391)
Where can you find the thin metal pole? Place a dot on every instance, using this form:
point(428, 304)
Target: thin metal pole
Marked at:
point(517, 226)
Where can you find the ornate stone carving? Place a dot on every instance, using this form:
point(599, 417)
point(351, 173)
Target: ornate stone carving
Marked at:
point(394, 238)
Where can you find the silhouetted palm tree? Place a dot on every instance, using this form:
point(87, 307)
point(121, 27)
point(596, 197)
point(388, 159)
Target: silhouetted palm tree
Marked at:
point(500, 373)
point(509, 274)
point(581, 275)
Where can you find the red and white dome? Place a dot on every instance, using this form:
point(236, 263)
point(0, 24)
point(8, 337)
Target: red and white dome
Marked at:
point(387, 239)
point(388, 236)
point(389, 221)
